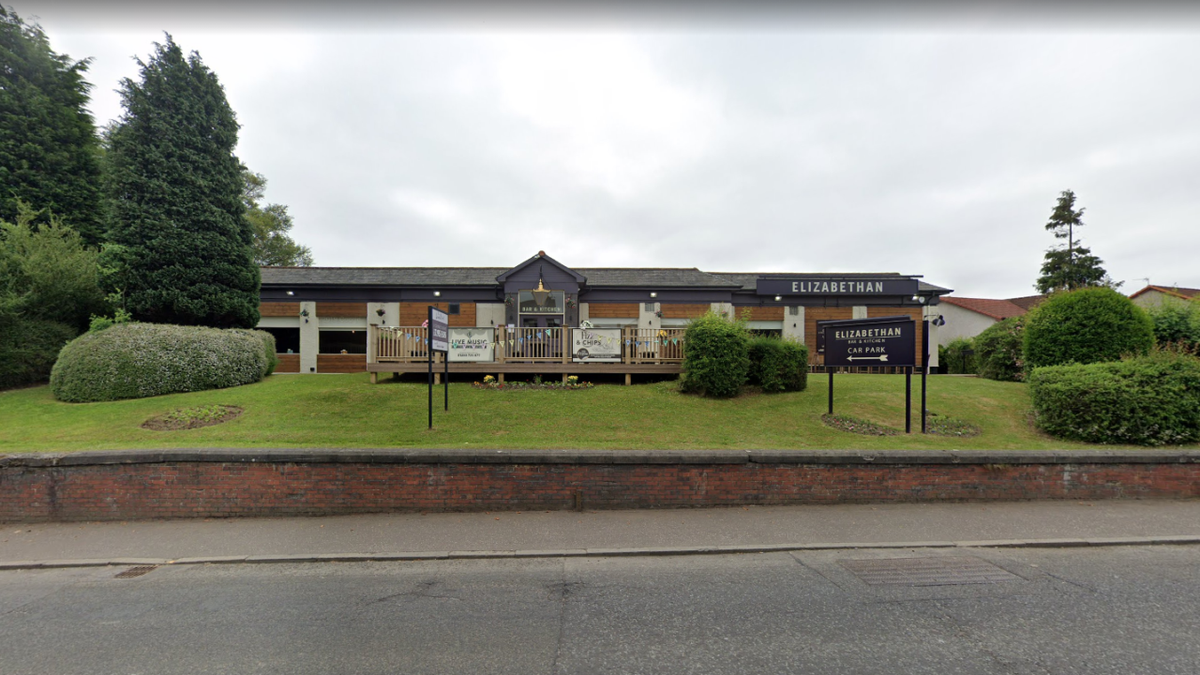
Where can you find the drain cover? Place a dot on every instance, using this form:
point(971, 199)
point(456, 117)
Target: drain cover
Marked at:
point(938, 571)
point(136, 571)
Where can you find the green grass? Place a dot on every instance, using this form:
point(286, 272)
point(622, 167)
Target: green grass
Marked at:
point(346, 411)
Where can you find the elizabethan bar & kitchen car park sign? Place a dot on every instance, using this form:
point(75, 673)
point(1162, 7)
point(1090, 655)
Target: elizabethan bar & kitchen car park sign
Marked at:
point(881, 341)
point(439, 341)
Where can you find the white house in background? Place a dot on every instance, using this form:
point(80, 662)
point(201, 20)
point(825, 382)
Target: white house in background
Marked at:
point(968, 317)
point(1152, 296)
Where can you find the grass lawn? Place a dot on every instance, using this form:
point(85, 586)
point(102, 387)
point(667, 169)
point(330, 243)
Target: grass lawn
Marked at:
point(347, 411)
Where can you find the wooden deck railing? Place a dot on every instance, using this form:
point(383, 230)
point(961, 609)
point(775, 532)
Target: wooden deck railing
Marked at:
point(408, 344)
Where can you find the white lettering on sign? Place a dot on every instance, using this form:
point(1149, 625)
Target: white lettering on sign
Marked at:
point(837, 286)
point(866, 333)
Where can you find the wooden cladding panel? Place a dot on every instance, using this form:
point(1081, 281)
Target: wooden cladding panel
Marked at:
point(684, 311)
point(759, 313)
point(415, 313)
point(917, 315)
point(612, 310)
point(288, 363)
point(345, 310)
point(811, 316)
point(341, 363)
point(279, 309)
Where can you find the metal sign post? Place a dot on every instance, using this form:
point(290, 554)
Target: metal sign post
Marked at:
point(883, 341)
point(439, 341)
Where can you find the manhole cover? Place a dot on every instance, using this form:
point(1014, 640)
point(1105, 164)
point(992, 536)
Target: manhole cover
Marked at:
point(136, 571)
point(927, 571)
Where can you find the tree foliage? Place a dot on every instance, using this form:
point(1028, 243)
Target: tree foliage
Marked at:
point(716, 356)
point(1072, 266)
point(48, 144)
point(176, 193)
point(1177, 322)
point(49, 285)
point(270, 225)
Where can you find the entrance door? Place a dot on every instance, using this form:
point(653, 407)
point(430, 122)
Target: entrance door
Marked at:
point(543, 321)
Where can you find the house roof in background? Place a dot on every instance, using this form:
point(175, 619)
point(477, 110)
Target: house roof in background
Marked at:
point(996, 309)
point(1174, 291)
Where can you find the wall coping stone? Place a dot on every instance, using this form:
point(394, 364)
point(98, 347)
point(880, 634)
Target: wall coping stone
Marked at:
point(614, 457)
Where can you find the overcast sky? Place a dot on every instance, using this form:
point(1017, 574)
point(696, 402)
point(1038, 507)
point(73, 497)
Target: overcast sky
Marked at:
point(923, 139)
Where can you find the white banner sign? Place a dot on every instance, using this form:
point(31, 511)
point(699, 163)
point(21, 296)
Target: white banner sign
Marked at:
point(471, 344)
point(596, 345)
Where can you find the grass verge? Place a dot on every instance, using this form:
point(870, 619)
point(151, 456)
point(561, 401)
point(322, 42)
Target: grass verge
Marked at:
point(346, 411)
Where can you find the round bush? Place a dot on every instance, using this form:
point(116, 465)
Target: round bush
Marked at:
point(135, 360)
point(999, 351)
point(1146, 400)
point(958, 357)
point(716, 357)
point(1090, 325)
point(778, 365)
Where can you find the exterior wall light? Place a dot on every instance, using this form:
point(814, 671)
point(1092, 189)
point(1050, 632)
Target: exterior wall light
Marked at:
point(653, 294)
point(919, 298)
point(778, 298)
point(291, 292)
point(437, 294)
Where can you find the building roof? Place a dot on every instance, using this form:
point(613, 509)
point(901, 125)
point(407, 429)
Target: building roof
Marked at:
point(657, 277)
point(597, 277)
point(996, 309)
point(1174, 291)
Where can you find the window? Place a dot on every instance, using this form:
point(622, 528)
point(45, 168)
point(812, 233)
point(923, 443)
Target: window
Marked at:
point(287, 340)
point(343, 341)
point(454, 308)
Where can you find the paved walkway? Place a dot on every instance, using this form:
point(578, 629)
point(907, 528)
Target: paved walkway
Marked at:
point(676, 531)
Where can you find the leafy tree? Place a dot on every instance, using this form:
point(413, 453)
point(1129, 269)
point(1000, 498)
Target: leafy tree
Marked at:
point(49, 284)
point(1073, 266)
point(1177, 322)
point(270, 225)
point(176, 193)
point(48, 144)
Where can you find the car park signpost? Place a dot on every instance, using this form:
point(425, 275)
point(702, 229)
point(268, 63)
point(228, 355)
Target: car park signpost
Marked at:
point(439, 341)
point(882, 341)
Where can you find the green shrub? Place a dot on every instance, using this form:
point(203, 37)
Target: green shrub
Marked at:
point(778, 365)
point(998, 351)
point(958, 357)
point(716, 358)
point(1145, 400)
point(1089, 325)
point(1177, 322)
point(28, 348)
point(135, 360)
point(268, 342)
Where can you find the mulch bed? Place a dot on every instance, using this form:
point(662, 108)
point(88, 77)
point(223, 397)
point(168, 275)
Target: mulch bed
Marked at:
point(192, 418)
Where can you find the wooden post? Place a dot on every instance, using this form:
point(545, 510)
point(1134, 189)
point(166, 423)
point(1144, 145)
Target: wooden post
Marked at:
point(374, 377)
point(500, 378)
point(628, 379)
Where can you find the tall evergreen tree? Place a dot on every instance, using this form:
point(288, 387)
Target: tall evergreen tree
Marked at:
point(176, 191)
point(48, 144)
point(1072, 266)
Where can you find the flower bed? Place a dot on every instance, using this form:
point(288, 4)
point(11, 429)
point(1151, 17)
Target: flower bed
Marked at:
point(573, 382)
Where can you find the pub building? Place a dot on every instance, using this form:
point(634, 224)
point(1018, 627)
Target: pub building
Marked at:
point(544, 317)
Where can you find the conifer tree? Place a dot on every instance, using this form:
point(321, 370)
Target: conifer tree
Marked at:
point(176, 193)
point(48, 144)
point(1073, 266)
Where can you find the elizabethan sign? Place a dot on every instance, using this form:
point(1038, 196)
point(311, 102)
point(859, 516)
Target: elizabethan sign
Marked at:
point(883, 341)
point(835, 286)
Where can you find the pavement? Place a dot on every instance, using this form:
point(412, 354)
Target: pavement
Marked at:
point(529, 534)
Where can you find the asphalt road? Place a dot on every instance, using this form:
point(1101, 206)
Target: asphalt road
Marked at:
point(1073, 610)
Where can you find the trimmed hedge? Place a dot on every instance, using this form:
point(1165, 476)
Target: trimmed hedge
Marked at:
point(958, 357)
point(1146, 400)
point(716, 357)
point(999, 351)
point(28, 348)
point(1177, 322)
point(1089, 325)
point(778, 365)
point(135, 360)
point(268, 341)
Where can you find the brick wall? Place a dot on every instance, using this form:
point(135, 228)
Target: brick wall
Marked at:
point(190, 484)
